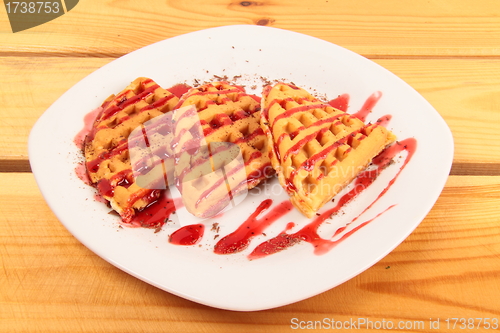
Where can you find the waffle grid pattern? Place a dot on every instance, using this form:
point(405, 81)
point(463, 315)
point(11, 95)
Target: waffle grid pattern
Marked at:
point(228, 114)
point(315, 145)
point(106, 146)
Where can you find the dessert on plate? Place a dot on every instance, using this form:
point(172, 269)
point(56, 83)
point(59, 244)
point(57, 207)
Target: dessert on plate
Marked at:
point(216, 141)
point(106, 147)
point(209, 144)
point(316, 149)
point(221, 151)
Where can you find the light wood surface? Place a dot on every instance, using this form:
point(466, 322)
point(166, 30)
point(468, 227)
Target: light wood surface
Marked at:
point(449, 267)
point(466, 92)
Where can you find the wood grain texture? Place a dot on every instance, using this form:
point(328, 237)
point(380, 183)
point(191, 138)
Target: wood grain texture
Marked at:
point(34, 83)
point(14, 164)
point(112, 28)
point(466, 92)
point(448, 267)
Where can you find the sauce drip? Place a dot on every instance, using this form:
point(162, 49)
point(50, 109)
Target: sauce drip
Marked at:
point(384, 120)
point(309, 233)
point(179, 89)
point(157, 212)
point(187, 235)
point(341, 102)
point(88, 122)
point(239, 240)
point(368, 106)
point(81, 172)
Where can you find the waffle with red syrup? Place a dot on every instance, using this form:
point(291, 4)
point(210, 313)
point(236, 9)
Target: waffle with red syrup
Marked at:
point(227, 114)
point(106, 147)
point(316, 150)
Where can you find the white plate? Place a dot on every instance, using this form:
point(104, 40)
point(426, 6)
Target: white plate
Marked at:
point(232, 281)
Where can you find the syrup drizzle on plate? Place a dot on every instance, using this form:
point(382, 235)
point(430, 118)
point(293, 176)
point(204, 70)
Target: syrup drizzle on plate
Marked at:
point(187, 235)
point(239, 240)
point(88, 122)
point(309, 233)
point(368, 106)
point(157, 213)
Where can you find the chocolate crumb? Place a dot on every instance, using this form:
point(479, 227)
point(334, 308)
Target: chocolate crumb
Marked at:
point(113, 212)
point(224, 78)
point(215, 227)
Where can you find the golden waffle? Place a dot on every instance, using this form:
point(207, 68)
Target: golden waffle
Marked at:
point(226, 114)
point(317, 150)
point(106, 146)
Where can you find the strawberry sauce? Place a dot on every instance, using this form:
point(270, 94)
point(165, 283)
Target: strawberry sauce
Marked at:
point(341, 102)
point(156, 213)
point(88, 122)
point(187, 235)
point(309, 233)
point(239, 240)
point(368, 106)
point(179, 89)
point(161, 206)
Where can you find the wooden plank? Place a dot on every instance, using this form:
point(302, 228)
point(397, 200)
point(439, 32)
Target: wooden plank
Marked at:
point(464, 91)
point(31, 86)
point(475, 169)
point(448, 267)
point(395, 28)
point(466, 94)
point(15, 164)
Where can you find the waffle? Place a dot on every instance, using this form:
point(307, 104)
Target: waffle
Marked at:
point(234, 153)
point(106, 147)
point(316, 150)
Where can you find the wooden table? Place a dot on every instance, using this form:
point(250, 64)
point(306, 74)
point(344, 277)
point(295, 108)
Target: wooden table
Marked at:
point(449, 267)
